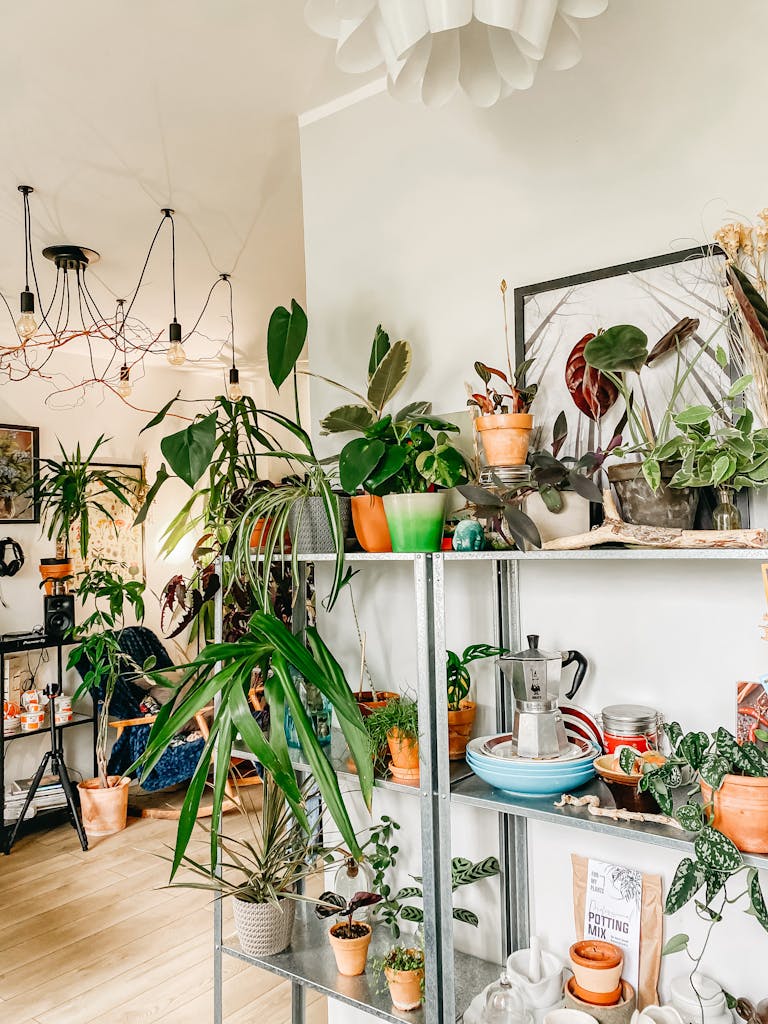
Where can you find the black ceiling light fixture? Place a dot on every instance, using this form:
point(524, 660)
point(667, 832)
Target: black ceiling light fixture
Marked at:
point(234, 390)
point(175, 355)
point(26, 325)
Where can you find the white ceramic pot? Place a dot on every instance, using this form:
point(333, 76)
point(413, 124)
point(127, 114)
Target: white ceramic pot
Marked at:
point(542, 994)
point(264, 929)
point(657, 1015)
point(572, 519)
point(705, 1002)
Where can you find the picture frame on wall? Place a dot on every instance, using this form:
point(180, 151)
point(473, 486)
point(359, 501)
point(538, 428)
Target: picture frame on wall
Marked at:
point(552, 319)
point(19, 474)
point(116, 539)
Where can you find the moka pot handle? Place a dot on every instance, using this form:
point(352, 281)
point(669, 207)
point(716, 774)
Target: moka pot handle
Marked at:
point(569, 657)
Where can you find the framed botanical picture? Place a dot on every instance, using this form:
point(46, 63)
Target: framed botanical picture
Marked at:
point(554, 320)
point(116, 538)
point(19, 490)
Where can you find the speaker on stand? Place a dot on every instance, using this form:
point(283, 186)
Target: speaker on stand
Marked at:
point(59, 615)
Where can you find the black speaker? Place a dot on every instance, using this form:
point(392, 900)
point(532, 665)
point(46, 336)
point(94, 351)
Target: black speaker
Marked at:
point(59, 615)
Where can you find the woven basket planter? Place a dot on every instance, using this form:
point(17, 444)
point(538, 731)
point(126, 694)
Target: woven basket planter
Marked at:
point(308, 525)
point(264, 929)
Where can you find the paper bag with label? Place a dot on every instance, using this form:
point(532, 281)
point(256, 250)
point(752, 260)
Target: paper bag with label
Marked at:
point(622, 906)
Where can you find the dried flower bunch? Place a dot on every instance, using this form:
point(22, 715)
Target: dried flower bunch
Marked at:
point(746, 248)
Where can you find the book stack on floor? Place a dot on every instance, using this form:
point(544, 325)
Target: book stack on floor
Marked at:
point(50, 794)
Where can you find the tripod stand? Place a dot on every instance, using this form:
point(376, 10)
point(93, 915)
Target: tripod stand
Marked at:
point(55, 757)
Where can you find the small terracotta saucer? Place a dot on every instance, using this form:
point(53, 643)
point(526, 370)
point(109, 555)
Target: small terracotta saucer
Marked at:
point(404, 774)
point(594, 998)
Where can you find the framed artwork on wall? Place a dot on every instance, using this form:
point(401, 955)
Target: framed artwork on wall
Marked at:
point(120, 541)
point(19, 490)
point(553, 318)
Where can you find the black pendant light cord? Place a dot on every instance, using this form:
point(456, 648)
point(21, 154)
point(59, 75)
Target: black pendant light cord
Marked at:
point(169, 214)
point(27, 239)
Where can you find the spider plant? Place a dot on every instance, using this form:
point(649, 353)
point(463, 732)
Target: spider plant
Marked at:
point(223, 673)
point(269, 862)
point(72, 487)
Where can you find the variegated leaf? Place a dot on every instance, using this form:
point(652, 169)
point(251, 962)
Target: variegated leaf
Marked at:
point(389, 375)
point(716, 851)
point(689, 878)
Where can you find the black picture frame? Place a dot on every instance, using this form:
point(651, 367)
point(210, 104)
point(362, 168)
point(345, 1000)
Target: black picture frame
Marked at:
point(34, 433)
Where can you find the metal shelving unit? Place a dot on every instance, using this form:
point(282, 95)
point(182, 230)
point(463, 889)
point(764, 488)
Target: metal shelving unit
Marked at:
point(453, 979)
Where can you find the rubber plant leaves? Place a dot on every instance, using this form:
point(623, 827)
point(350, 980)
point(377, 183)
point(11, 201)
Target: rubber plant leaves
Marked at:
point(222, 673)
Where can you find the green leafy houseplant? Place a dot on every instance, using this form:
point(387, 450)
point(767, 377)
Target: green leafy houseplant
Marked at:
point(399, 958)
point(403, 969)
point(457, 671)
point(97, 642)
point(510, 395)
point(72, 487)
point(224, 671)
point(708, 877)
point(463, 872)
point(395, 716)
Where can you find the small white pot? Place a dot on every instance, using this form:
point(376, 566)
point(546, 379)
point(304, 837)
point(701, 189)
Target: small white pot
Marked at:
point(264, 929)
point(572, 519)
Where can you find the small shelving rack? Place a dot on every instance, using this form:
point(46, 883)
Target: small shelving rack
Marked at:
point(452, 978)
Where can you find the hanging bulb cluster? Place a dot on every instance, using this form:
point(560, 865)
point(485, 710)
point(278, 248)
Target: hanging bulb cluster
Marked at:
point(26, 325)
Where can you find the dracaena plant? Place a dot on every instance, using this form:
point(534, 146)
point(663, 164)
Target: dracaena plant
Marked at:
point(457, 671)
point(223, 673)
point(500, 507)
point(716, 875)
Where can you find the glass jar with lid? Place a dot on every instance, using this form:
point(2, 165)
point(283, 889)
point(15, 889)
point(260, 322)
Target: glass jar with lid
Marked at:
point(630, 725)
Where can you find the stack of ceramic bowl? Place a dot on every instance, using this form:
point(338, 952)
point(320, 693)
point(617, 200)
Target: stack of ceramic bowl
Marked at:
point(494, 759)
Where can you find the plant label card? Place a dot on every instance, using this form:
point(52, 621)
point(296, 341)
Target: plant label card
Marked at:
point(612, 911)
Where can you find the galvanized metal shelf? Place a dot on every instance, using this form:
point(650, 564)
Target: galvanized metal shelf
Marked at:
point(598, 554)
point(309, 961)
point(475, 792)
point(338, 755)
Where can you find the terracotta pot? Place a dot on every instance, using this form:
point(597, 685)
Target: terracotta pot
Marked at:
point(259, 527)
point(370, 522)
point(741, 811)
point(405, 987)
point(105, 811)
point(505, 437)
point(404, 750)
point(597, 968)
point(368, 702)
point(351, 954)
point(460, 725)
point(52, 569)
point(620, 1013)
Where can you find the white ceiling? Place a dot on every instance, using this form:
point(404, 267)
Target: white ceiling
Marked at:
point(112, 111)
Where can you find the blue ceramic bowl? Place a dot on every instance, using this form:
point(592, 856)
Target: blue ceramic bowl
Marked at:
point(475, 751)
point(511, 779)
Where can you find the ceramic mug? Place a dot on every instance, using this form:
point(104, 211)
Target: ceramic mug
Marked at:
point(537, 994)
point(565, 1016)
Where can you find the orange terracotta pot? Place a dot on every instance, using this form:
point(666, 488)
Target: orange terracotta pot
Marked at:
point(505, 437)
point(370, 522)
point(405, 987)
point(104, 811)
point(259, 528)
point(460, 724)
point(741, 811)
point(596, 969)
point(351, 954)
point(403, 749)
point(52, 569)
point(368, 702)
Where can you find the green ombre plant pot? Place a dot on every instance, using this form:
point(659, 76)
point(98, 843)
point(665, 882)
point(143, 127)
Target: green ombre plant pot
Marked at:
point(415, 521)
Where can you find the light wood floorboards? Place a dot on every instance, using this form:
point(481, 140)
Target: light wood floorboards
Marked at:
point(93, 937)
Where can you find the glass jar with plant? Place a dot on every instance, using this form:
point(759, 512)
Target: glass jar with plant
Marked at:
point(732, 817)
point(72, 488)
point(225, 671)
point(718, 447)
point(504, 422)
point(349, 939)
point(396, 726)
point(403, 969)
point(379, 856)
point(99, 657)
point(262, 871)
point(461, 710)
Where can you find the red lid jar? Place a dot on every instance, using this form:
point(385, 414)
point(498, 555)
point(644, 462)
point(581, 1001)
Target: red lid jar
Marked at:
point(630, 725)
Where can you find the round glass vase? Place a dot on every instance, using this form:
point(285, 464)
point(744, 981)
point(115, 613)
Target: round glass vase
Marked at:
point(354, 876)
point(725, 515)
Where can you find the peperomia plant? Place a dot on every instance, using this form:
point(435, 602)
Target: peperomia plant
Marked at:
point(717, 863)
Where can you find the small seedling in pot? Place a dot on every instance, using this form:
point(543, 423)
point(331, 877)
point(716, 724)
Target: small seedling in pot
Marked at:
point(331, 904)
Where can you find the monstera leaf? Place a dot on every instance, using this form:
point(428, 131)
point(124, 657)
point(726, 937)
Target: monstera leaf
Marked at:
point(592, 392)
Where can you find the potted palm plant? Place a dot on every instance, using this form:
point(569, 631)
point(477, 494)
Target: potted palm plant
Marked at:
point(261, 872)
point(71, 489)
point(98, 655)
point(461, 710)
point(225, 671)
point(504, 422)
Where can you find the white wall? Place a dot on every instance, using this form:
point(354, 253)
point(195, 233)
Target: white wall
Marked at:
point(412, 216)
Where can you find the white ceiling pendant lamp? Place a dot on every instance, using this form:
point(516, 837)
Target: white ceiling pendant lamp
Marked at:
point(431, 48)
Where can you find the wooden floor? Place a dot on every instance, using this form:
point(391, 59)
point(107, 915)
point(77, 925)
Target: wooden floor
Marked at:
point(93, 937)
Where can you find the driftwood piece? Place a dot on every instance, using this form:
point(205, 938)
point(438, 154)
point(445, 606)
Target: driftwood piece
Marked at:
point(592, 803)
point(615, 531)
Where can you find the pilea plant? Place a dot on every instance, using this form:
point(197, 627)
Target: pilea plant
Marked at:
point(457, 671)
point(716, 863)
